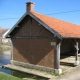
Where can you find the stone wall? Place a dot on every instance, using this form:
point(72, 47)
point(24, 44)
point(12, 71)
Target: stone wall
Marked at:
point(31, 66)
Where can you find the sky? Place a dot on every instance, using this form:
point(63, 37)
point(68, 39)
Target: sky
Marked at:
point(12, 10)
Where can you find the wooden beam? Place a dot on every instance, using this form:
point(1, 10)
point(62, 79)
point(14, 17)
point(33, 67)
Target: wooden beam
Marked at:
point(76, 54)
point(39, 32)
point(31, 27)
point(23, 33)
point(20, 25)
point(44, 37)
point(75, 43)
point(11, 30)
point(56, 46)
point(63, 41)
point(46, 26)
point(58, 56)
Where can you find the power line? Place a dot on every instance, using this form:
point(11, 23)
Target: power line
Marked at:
point(64, 12)
point(47, 14)
point(9, 18)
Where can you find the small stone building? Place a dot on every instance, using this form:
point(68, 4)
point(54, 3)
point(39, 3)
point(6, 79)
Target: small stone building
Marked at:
point(38, 40)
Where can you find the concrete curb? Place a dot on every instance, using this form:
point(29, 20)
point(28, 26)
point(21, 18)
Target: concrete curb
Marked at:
point(30, 71)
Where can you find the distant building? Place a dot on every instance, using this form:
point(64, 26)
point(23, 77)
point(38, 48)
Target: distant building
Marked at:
point(3, 32)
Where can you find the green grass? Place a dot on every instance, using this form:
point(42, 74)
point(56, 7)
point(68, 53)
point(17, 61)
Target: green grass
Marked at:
point(4, 76)
point(26, 75)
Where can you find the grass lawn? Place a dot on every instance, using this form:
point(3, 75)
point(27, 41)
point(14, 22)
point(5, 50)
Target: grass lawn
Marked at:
point(4, 76)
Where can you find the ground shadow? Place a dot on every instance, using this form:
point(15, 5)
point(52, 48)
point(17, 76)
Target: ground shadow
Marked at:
point(66, 55)
point(67, 64)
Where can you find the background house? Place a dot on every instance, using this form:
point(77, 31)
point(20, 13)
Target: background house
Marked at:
point(38, 41)
point(2, 38)
point(5, 40)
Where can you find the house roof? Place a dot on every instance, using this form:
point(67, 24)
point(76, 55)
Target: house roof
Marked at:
point(59, 28)
point(65, 29)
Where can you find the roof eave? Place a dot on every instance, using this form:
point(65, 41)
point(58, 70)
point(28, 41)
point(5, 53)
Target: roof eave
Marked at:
point(71, 37)
point(46, 26)
point(38, 20)
point(16, 25)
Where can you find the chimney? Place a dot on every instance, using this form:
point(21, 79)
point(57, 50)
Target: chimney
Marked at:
point(29, 6)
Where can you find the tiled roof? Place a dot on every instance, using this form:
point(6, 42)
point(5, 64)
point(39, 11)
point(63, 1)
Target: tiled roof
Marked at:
point(65, 29)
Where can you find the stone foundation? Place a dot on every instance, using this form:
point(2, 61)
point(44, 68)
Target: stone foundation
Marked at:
point(31, 66)
point(58, 71)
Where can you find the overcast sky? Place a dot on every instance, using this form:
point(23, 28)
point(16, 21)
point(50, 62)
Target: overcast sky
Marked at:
point(12, 10)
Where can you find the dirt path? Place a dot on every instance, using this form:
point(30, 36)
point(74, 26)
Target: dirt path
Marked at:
point(73, 75)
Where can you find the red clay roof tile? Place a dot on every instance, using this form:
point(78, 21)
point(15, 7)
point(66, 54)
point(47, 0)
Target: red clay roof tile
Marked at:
point(65, 29)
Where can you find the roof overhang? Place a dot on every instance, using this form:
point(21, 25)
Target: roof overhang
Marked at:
point(46, 26)
point(16, 25)
point(38, 20)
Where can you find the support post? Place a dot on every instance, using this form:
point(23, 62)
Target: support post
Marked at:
point(58, 56)
point(57, 69)
point(76, 55)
